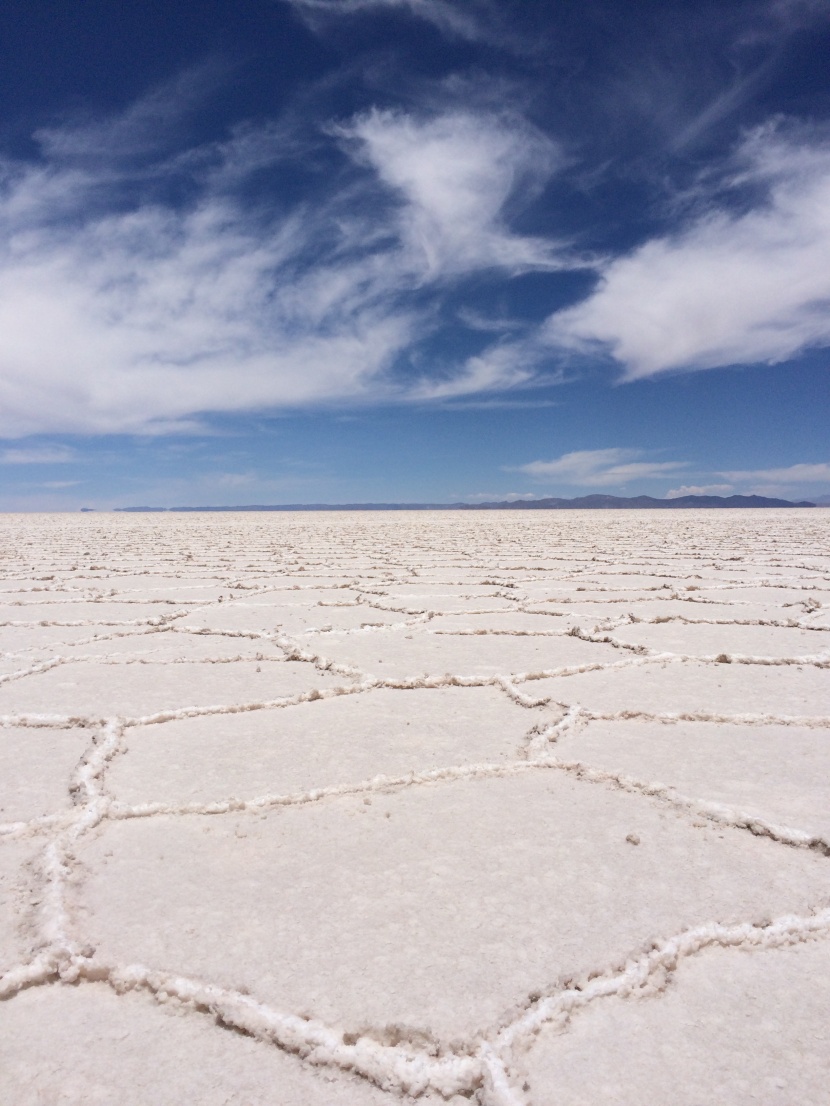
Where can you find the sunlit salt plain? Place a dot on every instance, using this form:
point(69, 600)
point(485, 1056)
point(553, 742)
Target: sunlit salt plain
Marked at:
point(338, 809)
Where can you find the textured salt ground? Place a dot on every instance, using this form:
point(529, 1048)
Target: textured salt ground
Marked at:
point(662, 605)
point(442, 602)
point(733, 1028)
point(16, 895)
point(401, 653)
point(330, 618)
point(703, 640)
point(87, 1046)
point(26, 641)
point(512, 621)
point(61, 609)
point(349, 738)
point(36, 767)
point(440, 916)
point(174, 645)
point(778, 773)
point(749, 565)
point(241, 616)
point(690, 686)
point(100, 689)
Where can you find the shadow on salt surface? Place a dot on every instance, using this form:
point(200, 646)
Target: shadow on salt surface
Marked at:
point(406, 652)
point(99, 690)
point(36, 766)
point(778, 690)
point(778, 773)
point(441, 916)
point(86, 1046)
point(332, 741)
point(733, 1027)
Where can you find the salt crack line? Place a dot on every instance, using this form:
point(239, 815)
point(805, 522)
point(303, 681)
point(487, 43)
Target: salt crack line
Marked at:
point(396, 1068)
point(487, 1069)
point(377, 784)
point(713, 812)
point(653, 970)
point(672, 717)
point(12, 831)
point(41, 970)
point(701, 808)
point(86, 787)
point(178, 713)
point(541, 738)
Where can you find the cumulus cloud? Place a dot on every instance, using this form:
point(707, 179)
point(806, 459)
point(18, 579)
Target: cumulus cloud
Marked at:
point(700, 489)
point(500, 497)
point(596, 468)
point(122, 311)
point(735, 286)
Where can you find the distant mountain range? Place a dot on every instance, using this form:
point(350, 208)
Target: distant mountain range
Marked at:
point(582, 503)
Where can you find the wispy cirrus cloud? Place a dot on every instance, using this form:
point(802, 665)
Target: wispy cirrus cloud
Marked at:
point(38, 455)
point(124, 311)
point(789, 474)
point(459, 18)
point(596, 468)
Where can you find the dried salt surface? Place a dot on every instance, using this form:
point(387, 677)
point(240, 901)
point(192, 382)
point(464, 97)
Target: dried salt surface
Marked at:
point(170, 643)
point(15, 906)
point(778, 772)
point(148, 686)
point(711, 639)
point(85, 1046)
point(451, 909)
point(383, 915)
point(689, 686)
point(732, 1028)
point(403, 653)
point(347, 739)
point(36, 767)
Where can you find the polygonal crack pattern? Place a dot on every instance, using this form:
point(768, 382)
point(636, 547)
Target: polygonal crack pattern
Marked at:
point(433, 805)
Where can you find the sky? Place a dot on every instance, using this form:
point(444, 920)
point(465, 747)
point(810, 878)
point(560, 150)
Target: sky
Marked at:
point(334, 251)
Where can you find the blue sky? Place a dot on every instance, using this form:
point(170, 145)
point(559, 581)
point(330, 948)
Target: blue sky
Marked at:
point(287, 251)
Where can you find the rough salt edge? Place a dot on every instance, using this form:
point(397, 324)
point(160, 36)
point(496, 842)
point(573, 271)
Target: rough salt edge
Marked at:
point(486, 1069)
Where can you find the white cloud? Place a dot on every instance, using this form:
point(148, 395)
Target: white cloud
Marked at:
point(231, 479)
point(700, 489)
point(448, 15)
point(732, 288)
point(597, 468)
point(121, 315)
point(500, 497)
point(37, 455)
point(456, 173)
point(792, 474)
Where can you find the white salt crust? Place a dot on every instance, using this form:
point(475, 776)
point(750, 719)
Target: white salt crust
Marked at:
point(448, 927)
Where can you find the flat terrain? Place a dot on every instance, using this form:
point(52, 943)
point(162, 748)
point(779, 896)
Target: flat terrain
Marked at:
point(522, 809)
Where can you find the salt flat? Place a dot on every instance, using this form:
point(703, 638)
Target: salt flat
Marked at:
point(514, 807)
